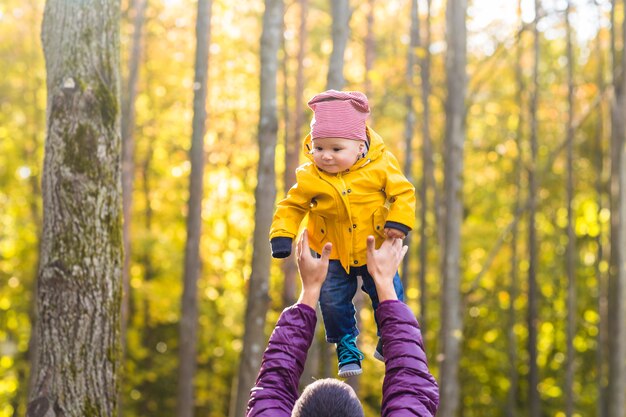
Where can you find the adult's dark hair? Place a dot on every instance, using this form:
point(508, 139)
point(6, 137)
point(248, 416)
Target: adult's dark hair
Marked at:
point(328, 398)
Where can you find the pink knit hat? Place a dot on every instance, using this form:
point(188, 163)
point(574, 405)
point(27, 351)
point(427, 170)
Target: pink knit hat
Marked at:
point(339, 114)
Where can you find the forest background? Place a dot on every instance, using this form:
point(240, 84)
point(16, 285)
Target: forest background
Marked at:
point(538, 162)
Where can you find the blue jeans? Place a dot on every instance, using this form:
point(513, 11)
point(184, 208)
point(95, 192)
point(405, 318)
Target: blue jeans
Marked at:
point(336, 297)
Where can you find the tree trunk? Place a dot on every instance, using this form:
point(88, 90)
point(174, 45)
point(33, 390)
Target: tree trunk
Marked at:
point(79, 279)
point(187, 348)
point(265, 194)
point(370, 49)
point(511, 409)
point(128, 163)
point(148, 330)
point(428, 177)
point(570, 252)
point(292, 148)
point(34, 180)
point(409, 125)
point(602, 339)
point(311, 366)
point(335, 80)
point(451, 322)
point(533, 372)
point(617, 283)
point(341, 31)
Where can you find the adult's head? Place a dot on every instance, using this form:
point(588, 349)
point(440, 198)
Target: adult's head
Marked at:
point(328, 398)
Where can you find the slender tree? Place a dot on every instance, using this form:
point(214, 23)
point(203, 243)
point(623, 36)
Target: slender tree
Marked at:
point(79, 279)
point(570, 251)
point(187, 348)
point(148, 330)
point(533, 372)
point(409, 122)
point(601, 339)
point(370, 48)
point(265, 194)
point(428, 174)
point(128, 160)
point(617, 283)
point(293, 138)
point(335, 80)
point(340, 32)
point(511, 408)
point(451, 319)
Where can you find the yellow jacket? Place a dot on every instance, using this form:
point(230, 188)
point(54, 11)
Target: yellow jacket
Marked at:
point(345, 208)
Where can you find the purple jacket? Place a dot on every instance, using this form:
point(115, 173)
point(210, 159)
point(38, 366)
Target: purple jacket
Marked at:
point(409, 389)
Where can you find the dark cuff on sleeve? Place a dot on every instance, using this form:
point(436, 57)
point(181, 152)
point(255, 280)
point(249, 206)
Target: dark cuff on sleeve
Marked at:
point(281, 247)
point(398, 226)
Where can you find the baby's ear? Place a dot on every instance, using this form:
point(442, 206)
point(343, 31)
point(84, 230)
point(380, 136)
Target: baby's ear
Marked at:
point(361, 146)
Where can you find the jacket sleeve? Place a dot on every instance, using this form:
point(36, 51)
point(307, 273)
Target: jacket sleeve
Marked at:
point(291, 210)
point(401, 193)
point(276, 388)
point(409, 389)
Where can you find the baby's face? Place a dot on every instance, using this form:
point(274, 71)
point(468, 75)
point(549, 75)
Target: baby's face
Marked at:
point(335, 155)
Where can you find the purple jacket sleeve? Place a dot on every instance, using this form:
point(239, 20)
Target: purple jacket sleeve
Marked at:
point(409, 389)
point(276, 388)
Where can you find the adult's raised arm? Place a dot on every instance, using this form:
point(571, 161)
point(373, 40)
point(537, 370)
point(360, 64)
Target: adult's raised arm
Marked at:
point(276, 389)
point(409, 389)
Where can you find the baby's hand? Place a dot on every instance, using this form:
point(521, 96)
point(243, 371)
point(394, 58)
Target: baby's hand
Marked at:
point(394, 233)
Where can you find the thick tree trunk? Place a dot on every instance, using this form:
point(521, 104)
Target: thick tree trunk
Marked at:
point(533, 372)
point(341, 31)
point(452, 322)
point(617, 283)
point(570, 252)
point(79, 280)
point(187, 350)
point(265, 194)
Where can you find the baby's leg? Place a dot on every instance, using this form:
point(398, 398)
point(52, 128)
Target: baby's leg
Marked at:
point(336, 304)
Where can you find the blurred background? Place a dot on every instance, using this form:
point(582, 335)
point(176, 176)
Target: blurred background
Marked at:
point(535, 155)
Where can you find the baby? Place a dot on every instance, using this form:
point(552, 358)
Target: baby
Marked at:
point(351, 188)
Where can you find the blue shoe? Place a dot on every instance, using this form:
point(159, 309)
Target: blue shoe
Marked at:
point(349, 357)
point(378, 353)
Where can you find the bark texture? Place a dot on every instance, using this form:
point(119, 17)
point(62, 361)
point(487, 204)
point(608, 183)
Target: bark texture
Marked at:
point(79, 279)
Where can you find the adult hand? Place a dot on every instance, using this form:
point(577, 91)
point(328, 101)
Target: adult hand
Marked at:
point(312, 270)
point(383, 264)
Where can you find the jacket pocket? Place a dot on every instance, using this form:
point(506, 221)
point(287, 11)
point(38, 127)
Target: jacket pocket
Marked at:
point(317, 227)
point(378, 220)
